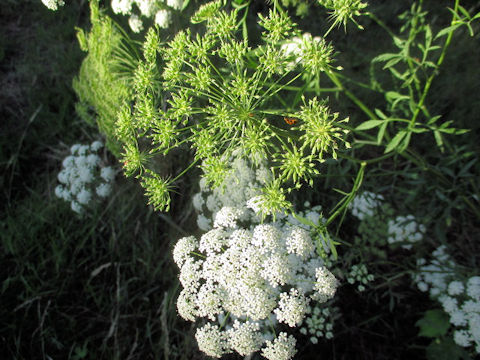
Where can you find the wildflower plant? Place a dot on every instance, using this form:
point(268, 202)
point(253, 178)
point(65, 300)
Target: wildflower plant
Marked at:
point(84, 178)
point(224, 97)
point(245, 279)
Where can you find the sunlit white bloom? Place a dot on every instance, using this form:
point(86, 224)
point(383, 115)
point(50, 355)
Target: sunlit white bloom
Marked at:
point(266, 237)
point(212, 341)
point(299, 242)
point(282, 348)
point(163, 18)
point(176, 4)
point(228, 216)
point(53, 4)
point(147, 7)
point(183, 248)
point(245, 338)
point(209, 300)
point(213, 241)
point(135, 23)
point(122, 6)
point(190, 274)
point(276, 270)
point(325, 286)
point(186, 305)
point(292, 308)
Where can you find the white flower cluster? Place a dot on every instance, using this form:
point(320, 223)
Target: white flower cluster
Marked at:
point(160, 10)
point(265, 273)
point(405, 230)
point(365, 204)
point(319, 323)
point(242, 184)
point(82, 176)
point(359, 274)
point(53, 4)
point(459, 298)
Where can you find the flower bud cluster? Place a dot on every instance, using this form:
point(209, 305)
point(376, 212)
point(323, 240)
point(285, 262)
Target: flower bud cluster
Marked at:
point(319, 323)
point(459, 297)
point(263, 272)
point(359, 274)
point(83, 177)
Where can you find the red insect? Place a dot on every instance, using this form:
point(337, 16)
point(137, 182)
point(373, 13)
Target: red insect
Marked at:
point(290, 121)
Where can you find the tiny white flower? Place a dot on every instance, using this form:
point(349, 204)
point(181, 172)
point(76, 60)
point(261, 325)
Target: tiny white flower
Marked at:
point(136, 24)
point(183, 248)
point(245, 338)
point(282, 348)
point(292, 308)
point(198, 201)
point(455, 288)
point(212, 341)
point(203, 223)
point(186, 305)
point(53, 4)
point(103, 190)
point(462, 338)
point(84, 197)
point(107, 174)
point(74, 149)
point(176, 4)
point(76, 207)
point(163, 18)
point(325, 286)
point(96, 145)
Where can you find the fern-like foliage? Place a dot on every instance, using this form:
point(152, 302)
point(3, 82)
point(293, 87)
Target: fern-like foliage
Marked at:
point(102, 83)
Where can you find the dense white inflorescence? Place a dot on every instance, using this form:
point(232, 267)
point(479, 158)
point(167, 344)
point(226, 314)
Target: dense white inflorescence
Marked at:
point(83, 178)
point(240, 186)
point(259, 275)
point(459, 297)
